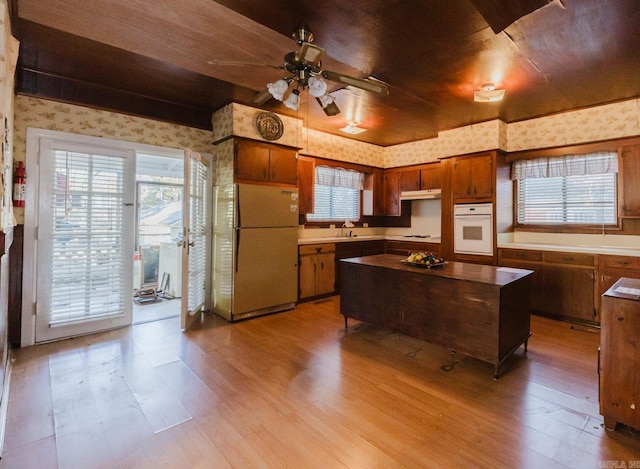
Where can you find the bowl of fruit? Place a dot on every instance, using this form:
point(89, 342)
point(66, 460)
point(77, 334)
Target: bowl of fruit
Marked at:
point(424, 259)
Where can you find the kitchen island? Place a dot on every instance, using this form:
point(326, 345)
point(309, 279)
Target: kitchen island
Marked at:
point(479, 310)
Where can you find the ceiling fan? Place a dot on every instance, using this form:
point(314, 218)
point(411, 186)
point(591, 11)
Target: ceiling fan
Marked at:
point(304, 69)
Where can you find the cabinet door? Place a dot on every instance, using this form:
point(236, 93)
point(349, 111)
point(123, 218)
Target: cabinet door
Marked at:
point(430, 177)
point(392, 192)
point(462, 178)
point(568, 292)
point(252, 162)
point(410, 180)
point(283, 166)
point(482, 176)
point(326, 278)
point(630, 189)
point(308, 268)
point(306, 179)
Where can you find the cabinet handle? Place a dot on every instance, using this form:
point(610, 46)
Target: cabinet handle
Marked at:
point(315, 267)
point(322, 265)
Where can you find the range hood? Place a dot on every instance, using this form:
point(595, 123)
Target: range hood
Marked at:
point(419, 195)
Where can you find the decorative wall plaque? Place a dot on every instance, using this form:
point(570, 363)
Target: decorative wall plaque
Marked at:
point(269, 126)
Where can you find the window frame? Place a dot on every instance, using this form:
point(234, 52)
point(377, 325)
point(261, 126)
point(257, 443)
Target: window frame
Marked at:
point(582, 228)
point(332, 221)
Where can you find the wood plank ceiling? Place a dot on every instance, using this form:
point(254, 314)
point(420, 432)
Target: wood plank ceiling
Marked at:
point(149, 57)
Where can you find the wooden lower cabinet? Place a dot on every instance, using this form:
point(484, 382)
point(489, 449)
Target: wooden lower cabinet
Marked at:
point(317, 270)
point(404, 248)
point(619, 363)
point(564, 282)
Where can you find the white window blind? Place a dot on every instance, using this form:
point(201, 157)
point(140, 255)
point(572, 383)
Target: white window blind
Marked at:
point(567, 190)
point(336, 194)
point(197, 234)
point(86, 204)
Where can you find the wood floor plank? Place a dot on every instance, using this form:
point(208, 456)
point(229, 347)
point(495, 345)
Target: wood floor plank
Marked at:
point(298, 389)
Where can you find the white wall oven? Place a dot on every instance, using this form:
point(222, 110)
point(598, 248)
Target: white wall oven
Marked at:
point(473, 229)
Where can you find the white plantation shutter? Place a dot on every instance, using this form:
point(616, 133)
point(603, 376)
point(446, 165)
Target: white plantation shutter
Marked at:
point(82, 235)
point(197, 234)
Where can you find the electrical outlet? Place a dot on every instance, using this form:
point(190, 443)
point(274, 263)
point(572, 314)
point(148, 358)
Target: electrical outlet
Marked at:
point(365, 225)
point(333, 227)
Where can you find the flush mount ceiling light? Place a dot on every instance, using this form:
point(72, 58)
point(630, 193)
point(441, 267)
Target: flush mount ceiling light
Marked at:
point(488, 94)
point(352, 128)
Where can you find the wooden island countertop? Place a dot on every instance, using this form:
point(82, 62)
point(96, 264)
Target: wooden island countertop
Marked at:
point(479, 310)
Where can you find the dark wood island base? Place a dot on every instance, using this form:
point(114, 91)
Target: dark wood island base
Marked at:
point(479, 310)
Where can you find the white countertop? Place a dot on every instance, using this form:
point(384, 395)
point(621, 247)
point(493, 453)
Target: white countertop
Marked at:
point(346, 239)
point(612, 250)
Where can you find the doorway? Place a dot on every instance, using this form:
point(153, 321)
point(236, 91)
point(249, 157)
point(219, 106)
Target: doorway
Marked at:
point(157, 267)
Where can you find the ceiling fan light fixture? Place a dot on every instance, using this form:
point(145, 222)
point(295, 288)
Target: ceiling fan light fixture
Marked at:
point(328, 105)
point(317, 87)
point(352, 128)
point(488, 94)
point(278, 89)
point(293, 101)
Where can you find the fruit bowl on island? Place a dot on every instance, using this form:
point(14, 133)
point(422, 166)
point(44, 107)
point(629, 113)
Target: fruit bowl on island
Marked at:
point(424, 259)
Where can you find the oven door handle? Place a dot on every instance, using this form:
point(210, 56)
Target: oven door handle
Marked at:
point(471, 217)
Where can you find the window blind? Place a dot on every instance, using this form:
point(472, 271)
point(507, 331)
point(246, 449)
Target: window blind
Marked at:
point(573, 189)
point(87, 243)
point(336, 194)
point(197, 234)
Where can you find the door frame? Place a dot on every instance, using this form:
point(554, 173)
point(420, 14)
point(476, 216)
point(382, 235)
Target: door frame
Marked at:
point(29, 273)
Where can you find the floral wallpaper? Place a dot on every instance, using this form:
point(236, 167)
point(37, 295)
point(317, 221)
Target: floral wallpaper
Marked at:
point(53, 115)
point(617, 120)
point(598, 123)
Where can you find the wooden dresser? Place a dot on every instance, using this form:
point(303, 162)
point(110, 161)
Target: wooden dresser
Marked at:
point(619, 364)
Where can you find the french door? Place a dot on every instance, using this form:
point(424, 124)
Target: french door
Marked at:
point(196, 236)
point(84, 239)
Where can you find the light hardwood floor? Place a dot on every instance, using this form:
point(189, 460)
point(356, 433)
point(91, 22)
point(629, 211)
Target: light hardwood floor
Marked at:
point(296, 389)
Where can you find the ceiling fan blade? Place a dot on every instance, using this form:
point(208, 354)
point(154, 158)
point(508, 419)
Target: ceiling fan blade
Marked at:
point(367, 85)
point(242, 63)
point(261, 97)
point(310, 53)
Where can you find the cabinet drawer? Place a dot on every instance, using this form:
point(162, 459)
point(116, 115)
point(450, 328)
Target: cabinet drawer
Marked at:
point(520, 254)
point(316, 248)
point(623, 262)
point(573, 258)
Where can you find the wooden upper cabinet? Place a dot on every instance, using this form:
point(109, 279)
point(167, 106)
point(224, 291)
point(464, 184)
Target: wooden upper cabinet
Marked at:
point(392, 192)
point(426, 177)
point(283, 165)
point(410, 180)
point(306, 180)
point(629, 192)
point(263, 162)
point(473, 177)
point(431, 177)
point(252, 162)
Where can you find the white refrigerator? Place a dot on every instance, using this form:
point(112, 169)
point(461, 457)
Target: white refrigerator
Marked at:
point(255, 247)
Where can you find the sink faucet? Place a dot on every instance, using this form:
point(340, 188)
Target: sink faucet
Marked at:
point(346, 224)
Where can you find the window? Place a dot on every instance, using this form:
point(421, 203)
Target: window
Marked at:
point(336, 194)
point(567, 190)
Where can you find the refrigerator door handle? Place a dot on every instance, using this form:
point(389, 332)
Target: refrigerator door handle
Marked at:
point(237, 247)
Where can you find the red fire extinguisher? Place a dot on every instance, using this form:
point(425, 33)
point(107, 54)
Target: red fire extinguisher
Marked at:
point(19, 182)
